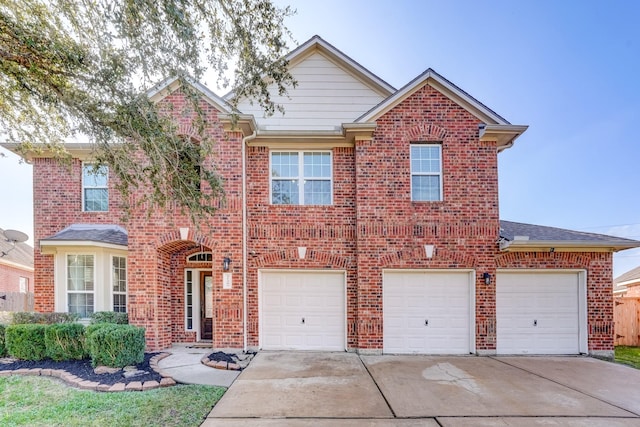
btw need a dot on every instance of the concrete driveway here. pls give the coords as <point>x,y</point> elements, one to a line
<point>344,389</point>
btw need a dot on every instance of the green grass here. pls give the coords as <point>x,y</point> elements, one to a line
<point>628,356</point>
<point>41,401</point>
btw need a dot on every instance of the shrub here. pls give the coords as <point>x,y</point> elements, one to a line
<point>31,317</point>
<point>3,348</point>
<point>26,341</point>
<point>116,345</point>
<point>109,317</point>
<point>65,341</point>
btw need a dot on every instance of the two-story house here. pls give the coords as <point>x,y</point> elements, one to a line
<point>365,218</point>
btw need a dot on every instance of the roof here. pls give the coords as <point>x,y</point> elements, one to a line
<point>20,255</point>
<point>527,237</point>
<point>103,234</point>
<point>171,84</point>
<point>630,276</point>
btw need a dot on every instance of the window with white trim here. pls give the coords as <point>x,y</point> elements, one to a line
<point>189,301</point>
<point>301,178</point>
<point>80,284</point>
<point>24,285</point>
<point>95,188</point>
<point>119,283</point>
<point>426,172</point>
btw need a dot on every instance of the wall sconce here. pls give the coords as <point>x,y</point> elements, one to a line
<point>226,263</point>
<point>487,278</point>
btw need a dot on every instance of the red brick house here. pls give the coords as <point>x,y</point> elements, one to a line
<point>363,219</point>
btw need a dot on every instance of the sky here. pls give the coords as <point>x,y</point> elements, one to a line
<point>567,69</point>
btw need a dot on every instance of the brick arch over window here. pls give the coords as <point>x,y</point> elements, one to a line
<point>426,132</point>
<point>416,257</point>
<point>189,131</point>
<point>290,258</point>
<point>171,241</point>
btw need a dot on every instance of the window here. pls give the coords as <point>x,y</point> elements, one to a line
<point>301,178</point>
<point>189,303</point>
<point>95,193</point>
<point>24,285</point>
<point>80,284</point>
<point>426,172</point>
<point>119,283</point>
<point>200,257</point>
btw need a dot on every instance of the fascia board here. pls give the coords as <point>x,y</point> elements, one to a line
<point>52,244</point>
<point>566,246</point>
<point>16,265</point>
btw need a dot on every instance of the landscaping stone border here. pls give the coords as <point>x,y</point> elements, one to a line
<point>77,382</point>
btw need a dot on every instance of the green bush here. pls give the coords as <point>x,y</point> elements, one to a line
<point>65,341</point>
<point>3,348</point>
<point>109,317</point>
<point>31,317</point>
<point>115,345</point>
<point>26,341</point>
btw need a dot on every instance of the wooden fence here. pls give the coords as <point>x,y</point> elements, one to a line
<point>626,314</point>
<point>16,301</point>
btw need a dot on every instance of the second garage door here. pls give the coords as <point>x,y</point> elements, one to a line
<point>427,312</point>
<point>302,310</point>
<point>538,312</point>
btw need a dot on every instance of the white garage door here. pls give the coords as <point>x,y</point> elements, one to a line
<point>538,313</point>
<point>302,311</point>
<point>427,312</point>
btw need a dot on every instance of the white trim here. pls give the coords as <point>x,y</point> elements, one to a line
<point>472,294</point>
<point>111,276</point>
<point>66,279</point>
<point>440,174</point>
<point>301,178</point>
<point>84,187</point>
<point>261,271</point>
<point>16,265</point>
<point>85,243</point>
<point>583,333</point>
<point>197,326</point>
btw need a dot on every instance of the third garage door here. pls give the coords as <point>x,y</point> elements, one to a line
<point>427,312</point>
<point>538,312</point>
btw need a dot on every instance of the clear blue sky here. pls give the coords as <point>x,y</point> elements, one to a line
<point>568,69</point>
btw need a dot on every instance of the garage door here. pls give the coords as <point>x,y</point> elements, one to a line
<point>427,312</point>
<point>538,313</point>
<point>302,311</point>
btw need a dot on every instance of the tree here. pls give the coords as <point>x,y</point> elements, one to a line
<point>81,68</point>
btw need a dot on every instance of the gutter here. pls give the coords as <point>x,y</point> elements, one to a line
<point>245,233</point>
<point>565,246</point>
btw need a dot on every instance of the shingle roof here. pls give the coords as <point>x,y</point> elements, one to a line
<point>102,233</point>
<point>22,253</point>
<point>630,276</point>
<point>508,230</point>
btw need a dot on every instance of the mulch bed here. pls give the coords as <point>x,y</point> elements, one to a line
<point>83,369</point>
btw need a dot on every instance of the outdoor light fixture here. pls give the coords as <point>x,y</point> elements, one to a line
<point>226,262</point>
<point>487,278</point>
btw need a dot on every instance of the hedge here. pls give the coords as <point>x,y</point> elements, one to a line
<point>115,345</point>
<point>65,341</point>
<point>109,317</point>
<point>3,348</point>
<point>26,341</point>
<point>31,317</point>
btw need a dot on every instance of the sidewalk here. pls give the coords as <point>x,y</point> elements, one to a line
<point>185,367</point>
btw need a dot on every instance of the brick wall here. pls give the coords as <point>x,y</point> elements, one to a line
<point>10,278</point>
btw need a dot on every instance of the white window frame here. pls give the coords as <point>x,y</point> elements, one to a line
<point>85,186</point>
<point>66,283</point>
<point>416,173</point>
<point>126,284</point>
<point>301,178</point>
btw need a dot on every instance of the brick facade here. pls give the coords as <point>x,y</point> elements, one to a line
<point>372,225</point>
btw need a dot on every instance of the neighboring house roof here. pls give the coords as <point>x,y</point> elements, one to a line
<point>88,235</point>
<point>20,255</point>
<point>626,280</point>
<point>515,236</point>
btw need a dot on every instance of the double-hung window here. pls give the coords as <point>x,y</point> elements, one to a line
<point>80,284</point>
<point>119,283</point>
<point>426,172</point>
<point>301,178</point>
<point>95,188</point>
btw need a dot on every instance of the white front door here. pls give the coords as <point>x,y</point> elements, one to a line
<point>428,312</point>
<point>302,310</point>
<point>538,312</point>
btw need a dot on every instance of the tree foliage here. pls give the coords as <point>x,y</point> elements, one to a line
<point>79,69</point>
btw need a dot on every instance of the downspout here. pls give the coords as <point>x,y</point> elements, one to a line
<point>245,233</point>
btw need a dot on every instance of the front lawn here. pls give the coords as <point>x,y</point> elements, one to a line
<point>41,401</point>
<point>628,356</point>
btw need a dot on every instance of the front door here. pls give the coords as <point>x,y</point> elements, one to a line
<point>206,305</point>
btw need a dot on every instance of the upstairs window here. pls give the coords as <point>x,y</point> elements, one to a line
<point>301,178</point>
<point>426,172</point>
<point>95,188</point>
